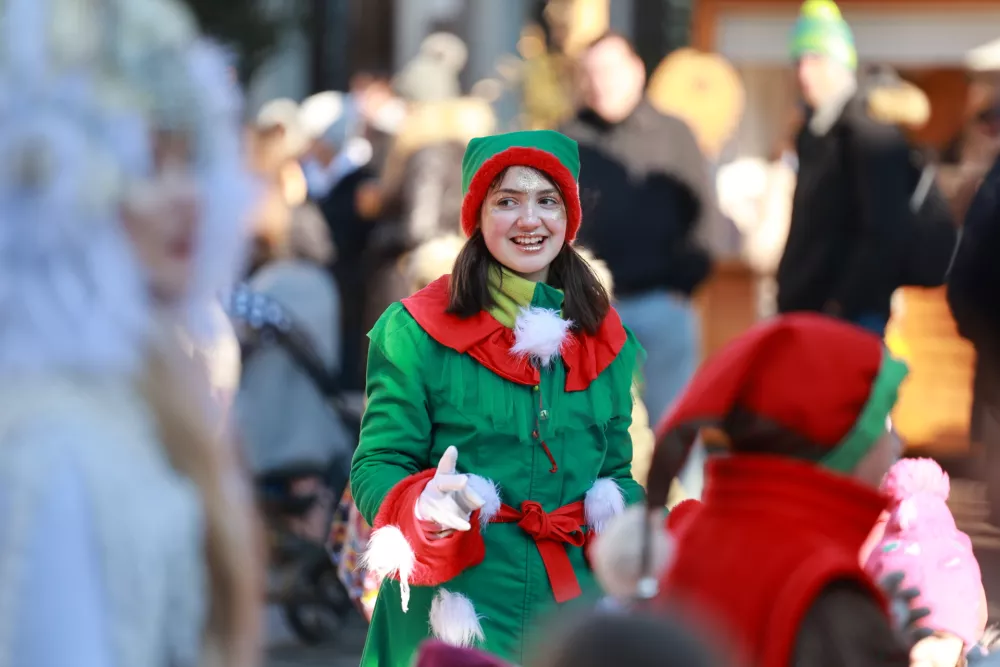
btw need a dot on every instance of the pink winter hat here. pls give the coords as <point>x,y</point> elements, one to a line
<point>922,541</point>
<point>434,653</point>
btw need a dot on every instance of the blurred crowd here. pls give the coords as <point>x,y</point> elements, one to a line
<point>183,393</point>
<point>381,166</point>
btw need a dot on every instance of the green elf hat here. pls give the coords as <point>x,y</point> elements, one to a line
<point>550,152</point>
<point>821,30</point>
<point>824,379</point>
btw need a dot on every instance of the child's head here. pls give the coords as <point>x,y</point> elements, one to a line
<point>922,541</point>
<point>434,653</point>
<point>636,639</point>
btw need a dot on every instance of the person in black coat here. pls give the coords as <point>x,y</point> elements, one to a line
<point>974,298</point>
<point>850,210</point>
<point>646,191</point>
<point>336,166</point>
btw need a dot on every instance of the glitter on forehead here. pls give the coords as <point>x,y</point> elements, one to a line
<point>529,179</point>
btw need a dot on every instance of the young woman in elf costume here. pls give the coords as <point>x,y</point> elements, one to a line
<point>495,441</point>
<point>126,528</point>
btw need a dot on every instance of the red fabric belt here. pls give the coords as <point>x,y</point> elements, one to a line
<point>551,532</point>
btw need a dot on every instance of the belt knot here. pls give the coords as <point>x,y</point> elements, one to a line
<point>551,531</point>
<point>559,526</point>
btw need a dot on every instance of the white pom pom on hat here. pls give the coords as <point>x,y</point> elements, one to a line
<point>908,477</point>
<point>616,555</point>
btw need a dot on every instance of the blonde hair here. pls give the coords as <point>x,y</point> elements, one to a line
<point>233,545</point>
<point>904,104</point>
<point>600,269</point>
<point>431,260</point>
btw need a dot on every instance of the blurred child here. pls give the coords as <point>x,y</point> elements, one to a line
<point>434,653</point>
<point>768,561</point>
<point>636,639</point>
<point>921,540</point>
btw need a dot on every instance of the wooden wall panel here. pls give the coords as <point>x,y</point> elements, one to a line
<point>727,304</point>
<point>935,402</point>
<point>947,90</point>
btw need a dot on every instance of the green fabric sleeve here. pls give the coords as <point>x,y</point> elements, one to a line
<point>618,462</point>
<point>396,428</point>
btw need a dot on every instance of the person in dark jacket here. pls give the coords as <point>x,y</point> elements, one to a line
<point>646,189</point>
<point>851,204</point>
<point>336,167</point>
<point>973,289</point>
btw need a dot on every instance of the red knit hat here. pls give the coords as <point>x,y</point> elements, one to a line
<point>831,382</point>
<point>550,152</point>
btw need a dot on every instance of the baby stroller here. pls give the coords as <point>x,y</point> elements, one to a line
<point>298,499</point>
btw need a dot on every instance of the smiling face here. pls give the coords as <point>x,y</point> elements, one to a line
<point>523,221</point>
<point>161,216</point>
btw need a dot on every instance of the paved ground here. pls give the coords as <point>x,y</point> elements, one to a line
<point>968,505</point>
<point>285,652</point>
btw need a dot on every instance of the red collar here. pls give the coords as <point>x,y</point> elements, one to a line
<point>796,493</point>
<point>487,341</point>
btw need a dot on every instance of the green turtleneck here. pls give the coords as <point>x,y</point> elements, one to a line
<point>511,293</point>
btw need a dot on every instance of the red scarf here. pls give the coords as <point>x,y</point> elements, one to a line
<point>489,342</point>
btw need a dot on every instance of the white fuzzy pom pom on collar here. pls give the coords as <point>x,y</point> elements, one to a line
<point>539,333</point>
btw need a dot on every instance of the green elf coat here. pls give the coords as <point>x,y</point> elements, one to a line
<point>540,416</point>
<point>546,445</point>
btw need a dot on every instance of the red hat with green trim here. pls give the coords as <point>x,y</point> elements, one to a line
<point>550,152</point>
<point>830,383</point>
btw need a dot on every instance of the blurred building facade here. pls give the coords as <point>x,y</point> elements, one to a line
<point>925,40</point>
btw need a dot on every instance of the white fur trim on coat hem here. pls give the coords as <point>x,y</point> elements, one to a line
<point>388,554</point>
<point>490,493</point>
<point>454,619</point>
<point>603,502</point>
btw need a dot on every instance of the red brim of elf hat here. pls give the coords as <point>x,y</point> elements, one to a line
<point>551,153</point>
<point>830,382</point>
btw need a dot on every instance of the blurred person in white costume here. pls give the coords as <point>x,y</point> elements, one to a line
<point>127,535</point>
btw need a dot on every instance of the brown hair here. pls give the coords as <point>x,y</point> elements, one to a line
<point>233,547</point>
<point>586,299</point>
<point>636,638</point>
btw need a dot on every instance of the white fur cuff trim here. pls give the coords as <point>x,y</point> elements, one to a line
<point>539,333</point>
<point>454,619</point>
<point>389,554</point>
<point>490,493</point>
<point>603,502</point>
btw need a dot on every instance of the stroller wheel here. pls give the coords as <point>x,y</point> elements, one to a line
<point>313,624</point>
<point>319,619</point>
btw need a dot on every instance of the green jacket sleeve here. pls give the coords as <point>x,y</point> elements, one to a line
<point>618,462</point>
<point>396,428</point>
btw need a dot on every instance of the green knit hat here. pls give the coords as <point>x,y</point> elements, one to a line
<point>821,30</point>
<point>550,152</point>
